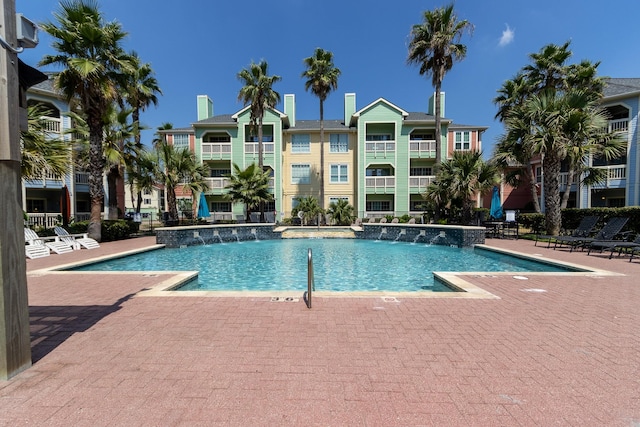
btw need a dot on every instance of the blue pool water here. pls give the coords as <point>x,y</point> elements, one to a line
<point>339,265</point>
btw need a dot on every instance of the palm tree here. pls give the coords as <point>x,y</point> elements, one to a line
<point>42,154</point>
<point>140,176</point>
<point>434,46</point>
<point>465,176</point>
<point>90,52</point>
<point>249,186</point>
<point>310,207</point>
<point>257,91</point>
<point>141,90</point>
<point>175,167</point>
<point>119,151</point>
<point>341,212</point>
<point>322,78</point>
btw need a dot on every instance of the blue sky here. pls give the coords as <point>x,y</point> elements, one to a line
<point>199,47</point>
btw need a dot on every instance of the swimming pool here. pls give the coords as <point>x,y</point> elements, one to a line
<point>340,265</point>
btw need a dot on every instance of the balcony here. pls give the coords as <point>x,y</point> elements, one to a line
<point>380,184</point>
<point>217,185</point>
<point>216,150</point>
<point>418,184</point>
<point>619,125</point>
<point>616,176</point>
<point>380,149</point>
<point>252,147</point>
<point>422,149</point>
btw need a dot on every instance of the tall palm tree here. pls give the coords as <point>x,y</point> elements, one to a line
<point>120,151</point>
<point>141,90</point>
<point>90,52</point>
<point>41,153</point>
<point>257,91</point>
<point>434,46</point>
<point>174,167</point>
<point>322,78</point>
<point>249,186</point>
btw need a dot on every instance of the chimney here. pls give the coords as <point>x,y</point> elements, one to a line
<point>349,107</point>
<point>290,108</point>
<point>205,107</point>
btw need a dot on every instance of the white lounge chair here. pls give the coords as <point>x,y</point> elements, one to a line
<point>76,240</point>
<point>57,246</point>
<point>36,251</point>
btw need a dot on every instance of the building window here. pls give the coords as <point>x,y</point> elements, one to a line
<point>267,134</point>
<point>300,143</point>
<point>538,174</point>
<point>339,143</point>
<point>337,199</point>
<point>181,140</point>
<point>379,172</point>
<point>220,207</point>
<point>339,173</point>
<point>217,137</point>
<point>146,201</point>
<point>300,174</point>
<point>379,205</point>
<point>462,141</point>
<point>420,172</point>
<point>219,173</point>
<point>421,135</point>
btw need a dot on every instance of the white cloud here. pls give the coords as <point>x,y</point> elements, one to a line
<point>507,36</point>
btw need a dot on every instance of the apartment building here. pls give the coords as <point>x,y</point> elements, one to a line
<point>379,157</point>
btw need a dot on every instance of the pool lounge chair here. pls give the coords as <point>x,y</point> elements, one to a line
<point>76,240</point>
<point>620,245</point>
<point>607,233</point>
<point>36,251</point>
<point>32,238</point>
<point>584,229</point>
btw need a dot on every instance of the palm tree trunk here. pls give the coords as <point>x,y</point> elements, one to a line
<point>321,200</point>
<point>567,190</point>
<point>112,180</point>
<point>96,171</point>
<point>552,214</point>
<point>533,187</point>
<point>260,163</point>
<point>437,112</point>
<point>171,204</point>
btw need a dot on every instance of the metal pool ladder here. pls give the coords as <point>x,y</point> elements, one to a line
<point>311,286</point>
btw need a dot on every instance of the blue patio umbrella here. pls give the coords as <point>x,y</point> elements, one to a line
<point>496,206</point>
<point>203,209</point>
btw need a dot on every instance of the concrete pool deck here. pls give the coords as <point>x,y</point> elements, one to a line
<point>551,350</point>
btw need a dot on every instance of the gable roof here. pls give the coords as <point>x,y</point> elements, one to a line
<point>616,87</point>
<point>378,101</point>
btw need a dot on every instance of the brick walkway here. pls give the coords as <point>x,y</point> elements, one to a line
<point>103,356</point>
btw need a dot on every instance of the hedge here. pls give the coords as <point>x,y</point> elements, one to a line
<point>572,217</point>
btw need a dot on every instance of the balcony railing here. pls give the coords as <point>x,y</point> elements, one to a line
<point>421,181</point>
<point>82,178</point>
<point>211,148</point>
<point>380,182</point>
<point>380,148</point>
<point>618,125</point>
<point>423,147</point>
<point>51,219</point>
<point>51,124</point>
<point>252,147</point>
<point>217,183</point>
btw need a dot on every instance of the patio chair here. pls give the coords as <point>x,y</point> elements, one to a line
<point>584,230</point>
<point>607,233</point>
<point>383,220</point>
<point>31,238</point>
<point>36,251</point>
<point>620,245</point>
<point>76,240</point>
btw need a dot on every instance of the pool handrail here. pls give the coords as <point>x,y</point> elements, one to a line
<point>311,286</point>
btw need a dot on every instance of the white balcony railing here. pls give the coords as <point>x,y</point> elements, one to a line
<point>380,182</point>
<point>422,147</point>
<point>615,171</point>
<point>381,148</point>
<point>421,181</point>
<point>217,183</point>
<point>82,178</point>
<point>618,125</point>
<point>52,124</point>
<point>252,147</point>
<point>210,148</point>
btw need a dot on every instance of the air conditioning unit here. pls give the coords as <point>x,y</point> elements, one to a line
<point>26,32</point>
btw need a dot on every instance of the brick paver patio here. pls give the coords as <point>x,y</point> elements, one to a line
<point>561,350</point>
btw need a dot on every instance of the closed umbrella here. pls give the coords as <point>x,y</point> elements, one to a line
<point>496,206</point>
<point>203,209</point>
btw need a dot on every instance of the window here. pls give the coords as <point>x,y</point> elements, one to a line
<point>462,141</point>
<point>300,143</point>
<point>339,173</point>
<point>339,143</point>
<point>217,137</point>
<point>219,173</point>
<point>379,137</point>
<point>220,207</point>
<point>379,205</point>
<point>267,134</point>
<point>300,174</point>
<point>181,140</point>
<point>146,201</point>
<point>379,172</point>
<point>538,174</point>
<point>420,172</point>
<point>421,136</point>
<point>336,199</point>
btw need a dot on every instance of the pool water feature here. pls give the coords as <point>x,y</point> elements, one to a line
<point>340,265</point>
